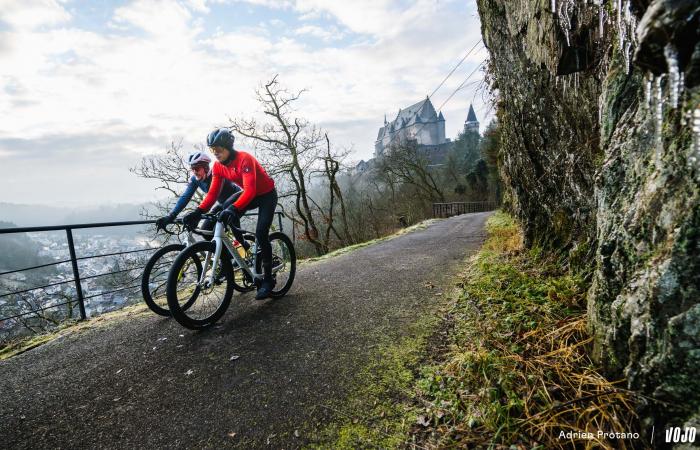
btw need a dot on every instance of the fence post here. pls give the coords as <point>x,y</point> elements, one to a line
<point>76,273</point>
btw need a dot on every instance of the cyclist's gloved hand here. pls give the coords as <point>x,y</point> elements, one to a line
<point>228,216</point>
<point>216,209</point>
<point>192,219</point>
<point>163,221</point>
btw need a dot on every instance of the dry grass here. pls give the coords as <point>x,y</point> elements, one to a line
<point>517,370</point>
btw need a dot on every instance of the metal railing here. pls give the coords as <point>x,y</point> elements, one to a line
<point>73,260</point>
<point>442,210</point>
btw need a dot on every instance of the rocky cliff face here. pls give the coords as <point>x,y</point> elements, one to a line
<point>600,107</point>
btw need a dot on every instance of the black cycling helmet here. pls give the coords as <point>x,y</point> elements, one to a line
<point>221,137</point>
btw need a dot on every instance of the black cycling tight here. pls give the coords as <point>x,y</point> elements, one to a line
<point>266,204</point>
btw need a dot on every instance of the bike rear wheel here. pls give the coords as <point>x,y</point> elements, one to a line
<point>192,301</point>
<point>284,263</point>
<point>241,281</point>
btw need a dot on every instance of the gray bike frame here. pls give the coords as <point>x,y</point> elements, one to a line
<point>221,240</point>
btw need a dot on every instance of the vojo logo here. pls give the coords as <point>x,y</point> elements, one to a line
<point>677,434</point>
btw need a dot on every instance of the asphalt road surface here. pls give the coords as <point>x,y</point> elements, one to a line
<point>143,381</point>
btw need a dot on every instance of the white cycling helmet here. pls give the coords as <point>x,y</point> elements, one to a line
<point>198,158</point>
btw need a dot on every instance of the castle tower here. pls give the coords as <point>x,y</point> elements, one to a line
<point>471,124</point>
<point>441,129</point>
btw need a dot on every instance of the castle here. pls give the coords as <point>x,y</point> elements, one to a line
<point>422,124</point>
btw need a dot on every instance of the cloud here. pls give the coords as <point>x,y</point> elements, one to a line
<point>84,168</point>
<point>197,5</point>
<point>168,74</point>
<point>31,14</point>
<point>105,145</point>
<point>159,18</point>
<point>381,18</point>
<point>331,34</point>
<point>272,4</point>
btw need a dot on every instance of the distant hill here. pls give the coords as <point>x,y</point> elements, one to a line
<point>17,250</point>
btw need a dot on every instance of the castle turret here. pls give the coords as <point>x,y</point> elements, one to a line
<point>471,124</point>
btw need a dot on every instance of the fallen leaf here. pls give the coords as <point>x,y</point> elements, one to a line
<point>231,435</point>
<point>234,357</point>
<point>422,420</point>
<point>189,372</point>
<point>297,434</point>
<point>119,371</point>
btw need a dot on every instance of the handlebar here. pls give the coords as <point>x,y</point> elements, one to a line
<point>214,218</point>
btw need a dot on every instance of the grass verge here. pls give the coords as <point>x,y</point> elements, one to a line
<point>341,251</point>
<point>16,346</point>
<point>515,368</point>
<point>376,414</point>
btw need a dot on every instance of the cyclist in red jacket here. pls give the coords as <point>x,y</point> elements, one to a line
<point>258,192</point>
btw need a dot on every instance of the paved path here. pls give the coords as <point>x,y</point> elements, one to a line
<point>124,385</point>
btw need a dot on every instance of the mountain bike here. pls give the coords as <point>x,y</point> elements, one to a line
<point>202,278</point>
<point>155,272</point>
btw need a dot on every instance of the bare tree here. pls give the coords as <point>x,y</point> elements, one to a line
<point>293,149</point>
<point>330,169</point>
<point>170,170</point>
<point>406,163</point>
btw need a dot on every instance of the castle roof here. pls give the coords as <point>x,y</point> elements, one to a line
<point>423,111</point>
<point>471,117</point>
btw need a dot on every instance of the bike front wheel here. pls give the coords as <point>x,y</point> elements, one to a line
<point>155,277</point>
<point>194,301</point>
<point>284,263</point>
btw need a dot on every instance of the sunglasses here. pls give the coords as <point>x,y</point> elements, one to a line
<point>197,168</point>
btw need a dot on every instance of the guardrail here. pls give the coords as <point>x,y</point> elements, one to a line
<point>442,210</point>
<point>73,260</point>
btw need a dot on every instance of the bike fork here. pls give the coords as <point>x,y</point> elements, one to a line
<point>218,230</point>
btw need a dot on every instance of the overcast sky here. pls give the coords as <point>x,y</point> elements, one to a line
<point>87,88</point>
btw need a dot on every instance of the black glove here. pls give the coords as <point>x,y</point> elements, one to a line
<point>216,210</point>
<point>228,216</point>
<point>163,221</point>
<point>191,220</point>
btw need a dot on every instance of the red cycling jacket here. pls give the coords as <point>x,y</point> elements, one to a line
<point>246,172</point>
